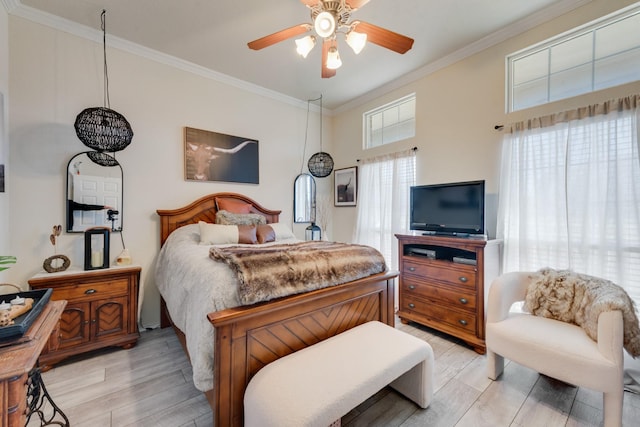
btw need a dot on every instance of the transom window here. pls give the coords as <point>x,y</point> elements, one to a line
<point>391,122</point>
<point>602,54</point>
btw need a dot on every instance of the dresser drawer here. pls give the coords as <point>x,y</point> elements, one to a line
<point>454,297</point>
<point>440,313</point>
<point>459,275</point>
<point>92,290</point>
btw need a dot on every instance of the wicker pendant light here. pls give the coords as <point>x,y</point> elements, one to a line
<point>102,159</point>
<point>102,128</point>
<point>321,163</point>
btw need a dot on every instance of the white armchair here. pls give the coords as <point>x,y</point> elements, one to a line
<point>554,348</point>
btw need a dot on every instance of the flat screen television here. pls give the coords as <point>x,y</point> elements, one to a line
<point>451,209</point>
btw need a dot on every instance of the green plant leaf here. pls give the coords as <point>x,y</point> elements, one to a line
<point>6,260</point>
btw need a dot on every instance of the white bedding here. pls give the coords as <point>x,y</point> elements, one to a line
<point>194,285</point>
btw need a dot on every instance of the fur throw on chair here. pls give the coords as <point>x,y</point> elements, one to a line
<point>579,299</point>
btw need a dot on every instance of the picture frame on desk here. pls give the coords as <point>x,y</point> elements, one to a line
<point>346,186</point>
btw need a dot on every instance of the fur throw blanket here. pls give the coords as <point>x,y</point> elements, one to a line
<point>279,270</point>
<point>579,299</point>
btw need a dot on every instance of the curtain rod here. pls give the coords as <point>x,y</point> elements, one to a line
<point>605,107</point>
<point>414,149</point>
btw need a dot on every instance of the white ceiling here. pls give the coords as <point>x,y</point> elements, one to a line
<point>214,35</point>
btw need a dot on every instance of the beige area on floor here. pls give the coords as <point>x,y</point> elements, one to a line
<point>150,385</point>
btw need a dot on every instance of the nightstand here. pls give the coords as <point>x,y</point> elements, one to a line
<point>101,311</point>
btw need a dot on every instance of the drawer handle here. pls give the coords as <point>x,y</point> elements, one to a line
<point>463,279</point>
<point>463,322</point>
<point>90,291</point>
<point>463,300</point>
<point>412,305</point>
<point>412,287</point>
<point>412,269</point>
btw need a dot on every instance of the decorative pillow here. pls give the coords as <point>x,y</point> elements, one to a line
<point>283,232</point>
<point>247,234</point>
<point>232,205</point>
<point>265,233</point>
<point>220,234</point>
<point>230,218</point>
<point>216,234</point>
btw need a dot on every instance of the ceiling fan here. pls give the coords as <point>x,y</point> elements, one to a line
<point>329,17</point>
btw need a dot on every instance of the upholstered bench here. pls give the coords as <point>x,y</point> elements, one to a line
<point>319,384</point>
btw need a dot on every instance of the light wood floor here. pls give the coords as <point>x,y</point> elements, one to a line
<point>150,385</point>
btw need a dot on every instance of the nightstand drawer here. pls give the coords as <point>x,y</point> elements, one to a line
<point>454,297</point>
<point>92,290</point>
<point>460,275</point>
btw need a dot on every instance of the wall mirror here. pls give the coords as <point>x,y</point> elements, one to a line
<point>94,192</point>
<point>304,198</point>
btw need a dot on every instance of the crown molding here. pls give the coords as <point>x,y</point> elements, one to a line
<point>16,8</point>
<point>10,5</point>
<point>512,30</point>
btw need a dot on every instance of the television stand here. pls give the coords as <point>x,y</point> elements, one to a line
<point>447,291</point>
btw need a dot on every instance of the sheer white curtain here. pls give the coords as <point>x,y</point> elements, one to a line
<point>383,202</point>
<point>570,193</point>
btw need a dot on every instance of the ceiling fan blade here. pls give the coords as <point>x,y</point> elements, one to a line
<point>357,4</point>
<point>309,3</point>
<point>326,72</point>
<point>274,38</point>
<point>383,37</point>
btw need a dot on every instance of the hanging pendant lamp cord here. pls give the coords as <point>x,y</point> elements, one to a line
<point>306,130</point>
<point>103,19</point>
<point>107,101</point>
<point>321,123</point>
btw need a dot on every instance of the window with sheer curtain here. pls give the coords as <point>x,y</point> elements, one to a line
<point>383,202</point>
<point>570,193</point>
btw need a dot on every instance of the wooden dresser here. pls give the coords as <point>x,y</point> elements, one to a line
<point>101,311</point>
<point>19,358</point>
<point>444,282</point>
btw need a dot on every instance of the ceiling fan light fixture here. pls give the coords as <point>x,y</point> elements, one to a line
<point>328,18</point>
<point>325,24</point>
<point>356,41</point>
<point>304,45</point>
<point>333,59</point>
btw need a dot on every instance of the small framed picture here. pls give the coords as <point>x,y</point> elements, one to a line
<point>346,186</point>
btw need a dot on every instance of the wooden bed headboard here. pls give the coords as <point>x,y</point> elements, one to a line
<point>204,209</point>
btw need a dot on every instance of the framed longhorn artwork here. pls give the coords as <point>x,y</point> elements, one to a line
<point>212,156</point>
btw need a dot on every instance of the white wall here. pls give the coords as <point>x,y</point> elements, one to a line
<point>55,75</point>
<point>4,141</point>
<point>457,108</point>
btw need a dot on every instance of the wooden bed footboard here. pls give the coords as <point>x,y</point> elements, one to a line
<point>247,338</point>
